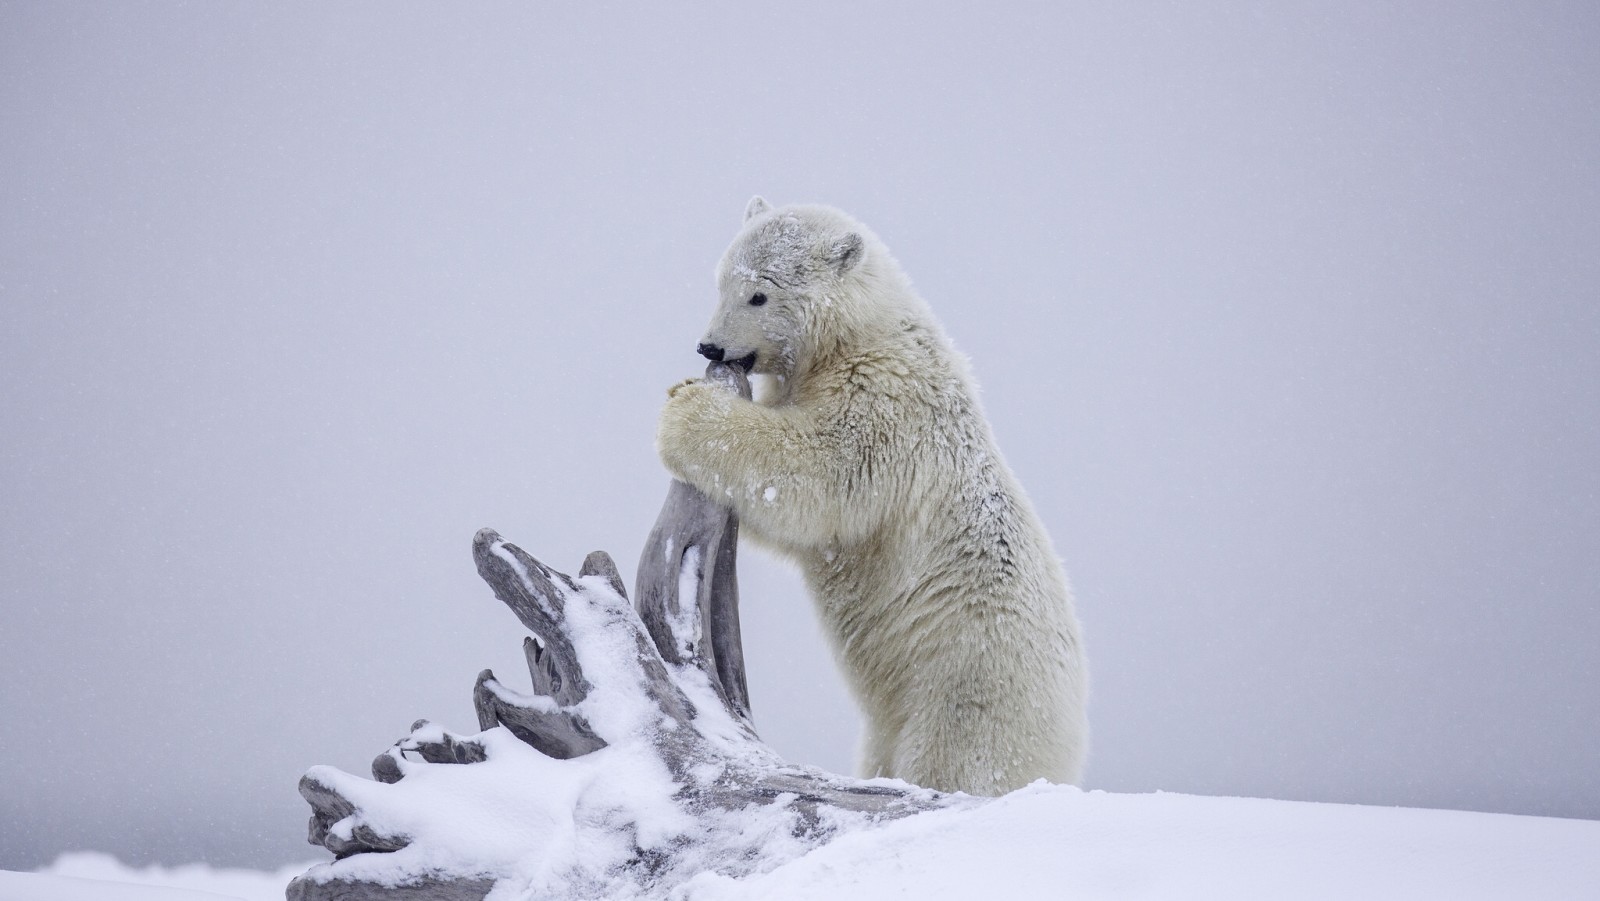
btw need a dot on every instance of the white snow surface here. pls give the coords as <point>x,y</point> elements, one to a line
<point>1056,842</point>
<point>92,876</point>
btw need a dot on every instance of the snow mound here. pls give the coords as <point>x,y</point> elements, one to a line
<point>1058,842</point>
<point>92,876</point>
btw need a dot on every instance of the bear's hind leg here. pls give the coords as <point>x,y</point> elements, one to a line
<point>959,739</point>
<point>878,755</point>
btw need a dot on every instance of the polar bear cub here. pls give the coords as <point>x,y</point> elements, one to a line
<point>871,465</point>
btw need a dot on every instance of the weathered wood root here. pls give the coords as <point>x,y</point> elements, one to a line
<point>696,533</point>
<point>591,655</point>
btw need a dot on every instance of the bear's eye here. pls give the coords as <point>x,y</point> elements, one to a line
<point>757,299</point>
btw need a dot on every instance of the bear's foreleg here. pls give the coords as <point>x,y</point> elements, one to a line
<point>786,475</point>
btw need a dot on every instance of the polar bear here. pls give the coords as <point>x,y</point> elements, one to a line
<point>868,461</point>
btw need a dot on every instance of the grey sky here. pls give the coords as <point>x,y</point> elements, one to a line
<point>1286,316</point>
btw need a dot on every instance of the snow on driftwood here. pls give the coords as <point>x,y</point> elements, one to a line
<point>630,767</point>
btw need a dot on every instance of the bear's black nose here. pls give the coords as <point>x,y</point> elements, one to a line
<point>710,352</point>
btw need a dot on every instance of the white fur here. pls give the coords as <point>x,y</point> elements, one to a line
<point>870,464</point>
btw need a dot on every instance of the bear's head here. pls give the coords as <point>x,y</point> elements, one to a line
<point>791,284</point>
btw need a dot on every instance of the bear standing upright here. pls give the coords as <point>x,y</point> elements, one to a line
<point>871,465</point>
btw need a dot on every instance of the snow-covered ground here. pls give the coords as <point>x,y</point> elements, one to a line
<point>90,876</point>
<point>1054,842</point>
<point>1051,842</point>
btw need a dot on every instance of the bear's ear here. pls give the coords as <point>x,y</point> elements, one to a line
<point>845,253</point>
<point>756,207</point>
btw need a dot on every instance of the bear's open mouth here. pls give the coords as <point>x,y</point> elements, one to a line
<point>746,362</point>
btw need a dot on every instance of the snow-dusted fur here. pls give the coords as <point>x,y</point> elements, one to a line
<point>870,463</point>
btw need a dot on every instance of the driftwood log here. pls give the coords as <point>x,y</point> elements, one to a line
<point>611,686</point>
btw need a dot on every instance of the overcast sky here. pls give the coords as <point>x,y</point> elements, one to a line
<point>1286,316</point>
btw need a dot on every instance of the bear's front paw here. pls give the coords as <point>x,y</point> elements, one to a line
<point>699,401</point>
<point>695,411</point>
